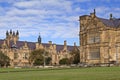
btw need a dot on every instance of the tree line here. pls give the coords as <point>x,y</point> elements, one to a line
<point>40,57</point>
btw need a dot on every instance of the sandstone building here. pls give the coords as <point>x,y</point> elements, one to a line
<point>99,39</point>
<point>18,51</point>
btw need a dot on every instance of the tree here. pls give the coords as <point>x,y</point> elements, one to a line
<point>75,56</point>
<point>4,60</point>
<point>48,60</point>
<point>37,57</point>
<point>64,61</point>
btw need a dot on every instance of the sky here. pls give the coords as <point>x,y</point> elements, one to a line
<point>54,20</point>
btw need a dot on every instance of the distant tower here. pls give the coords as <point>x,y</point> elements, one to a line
<point>11,36</point>
<point>39,39</point>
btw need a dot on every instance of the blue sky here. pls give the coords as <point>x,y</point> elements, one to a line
<point>55,20</point>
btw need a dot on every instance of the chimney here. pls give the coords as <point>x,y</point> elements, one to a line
<point>50,42</point>
<point>65,45</point>
<point>74,43</point>
<point>54,46</point>
<point>93,14</point>
<point>25,44</point>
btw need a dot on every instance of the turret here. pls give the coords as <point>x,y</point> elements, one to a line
<point>7,33</point>
<point>50,45</point>
<point>50,42</point>
<point>54,46</point>
<point>12,36</point>
<point>17,33</point>
<point>13,33</point>
<point>10,31</point>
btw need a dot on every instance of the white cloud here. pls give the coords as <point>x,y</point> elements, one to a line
<point>83,0</point>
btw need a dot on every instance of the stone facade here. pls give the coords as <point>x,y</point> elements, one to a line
<point>18,51</point>
<point>99,39</point>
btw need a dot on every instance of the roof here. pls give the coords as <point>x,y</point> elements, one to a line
<point>111,22</point>
<point>32,45</point>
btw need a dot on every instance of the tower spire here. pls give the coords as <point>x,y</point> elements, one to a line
<point>39,39</point>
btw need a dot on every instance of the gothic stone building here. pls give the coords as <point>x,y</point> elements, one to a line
<point>18,51</point>
<point>99,39</point>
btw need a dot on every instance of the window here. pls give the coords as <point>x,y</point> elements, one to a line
<point>94,53</point>
<point>25,56</point>
<point>97,38</point>
<point>15,55</point>
<point>91,39</point>
<point>94,38</point>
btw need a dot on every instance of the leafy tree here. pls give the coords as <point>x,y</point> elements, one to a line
<point>39,61</point>
<point>37,57</point>
<point>64,61</point>
<point>48,60</point>
<point>4,60</point>
<point>75,56</point>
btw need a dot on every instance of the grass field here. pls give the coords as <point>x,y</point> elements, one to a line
<point>94,73</point>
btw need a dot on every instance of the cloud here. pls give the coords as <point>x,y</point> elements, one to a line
<point>83,0</point>
<point>46,4</point>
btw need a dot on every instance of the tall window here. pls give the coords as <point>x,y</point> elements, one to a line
<point>16,56</point>
<point>94,38</point>
<point>94,53</point>
<point>25,56</point>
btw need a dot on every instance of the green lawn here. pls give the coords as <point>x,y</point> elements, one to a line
<point>94,73</point>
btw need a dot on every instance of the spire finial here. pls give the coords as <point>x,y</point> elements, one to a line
<point>94,11</point>
<point>39,39</point>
